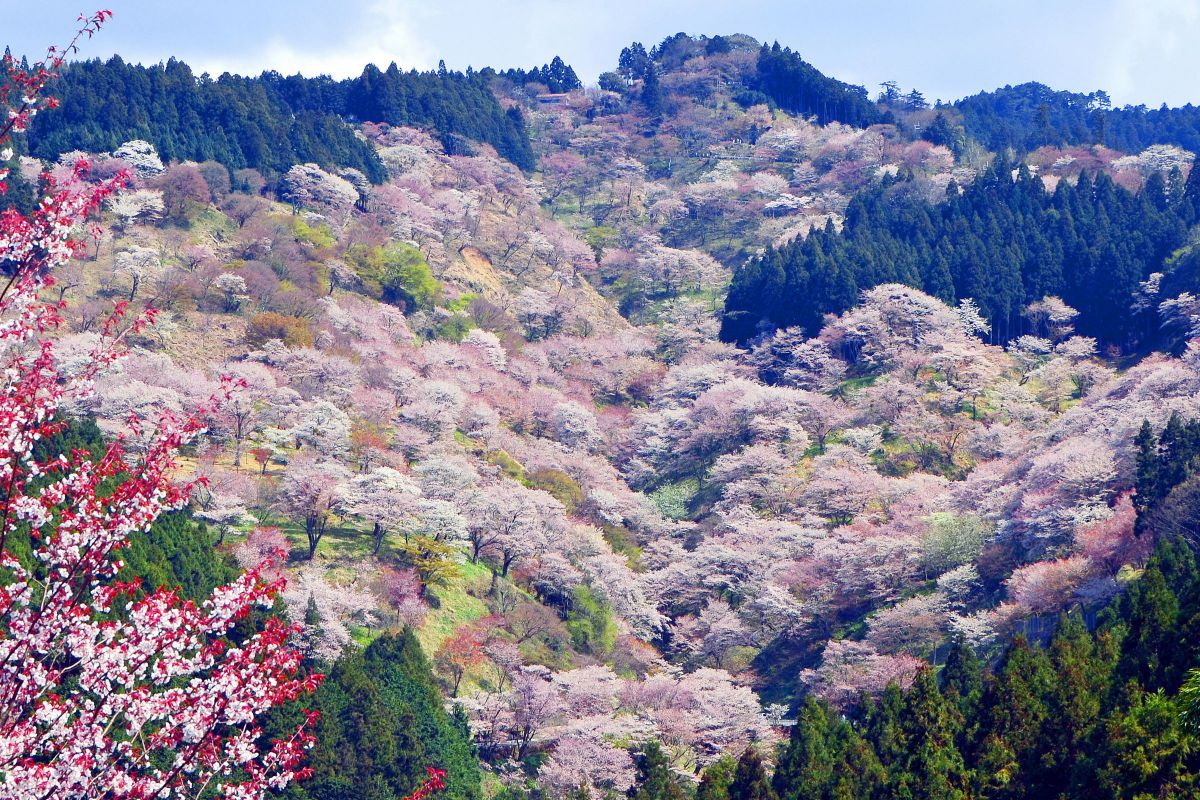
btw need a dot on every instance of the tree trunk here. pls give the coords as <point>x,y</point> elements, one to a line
<point>378,534</point>
<point>313,531</point>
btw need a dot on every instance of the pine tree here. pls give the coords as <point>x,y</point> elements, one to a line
<point>1083,668</point>
<point>1014,713</point>
<point>882,725</point>
<point>806,767</point>
<point>655,780</point>
<point>962,684</point>
<point>717,778</point>
<point>750,779</point>
<point>1151,610</point>
<point>857,773</point>
<point>934,769</point>
<point>312,616</point>
<point>1147,467</point>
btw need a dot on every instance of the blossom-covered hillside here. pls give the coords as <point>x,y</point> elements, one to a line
<point>488,415</point>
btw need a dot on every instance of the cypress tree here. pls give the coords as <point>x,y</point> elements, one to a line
<point>934,768</point>
<point>750,779</point>
<point>717,778</point>
<point>806,767</point>
<point>655,780</point>
<point>1147,467</point>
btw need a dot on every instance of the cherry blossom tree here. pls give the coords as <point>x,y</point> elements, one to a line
<point>383,497</point>
<point>141,265</point>
<point>308,186</point>
<point>848,668</point>
<point>461,652</point>
<point>310,491</point>
<point>581,763</point>
<point>402,590</point>
<point>108,692</point>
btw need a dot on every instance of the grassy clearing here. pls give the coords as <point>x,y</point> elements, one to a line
<point>458,605</point>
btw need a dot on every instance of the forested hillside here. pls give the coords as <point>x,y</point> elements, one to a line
<point>1032,115</point>
<point>1003,241</point>
<point>269,123</point>
<point>705,434</point>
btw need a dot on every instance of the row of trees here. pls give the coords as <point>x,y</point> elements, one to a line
<point>557,76</point>
<point>1003,241</point>
<point>1031,115</point>
<point>269,122</point>
<point>797,86</point>
<point>240,122</point>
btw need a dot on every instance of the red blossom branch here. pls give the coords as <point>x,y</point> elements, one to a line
<point>103,693</point>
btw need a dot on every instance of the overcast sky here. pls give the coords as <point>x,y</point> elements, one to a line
<point>1140,51</point>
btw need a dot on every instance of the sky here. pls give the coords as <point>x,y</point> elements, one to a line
<point>1140,51</point>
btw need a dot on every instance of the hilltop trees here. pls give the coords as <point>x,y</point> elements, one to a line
<point>270,122</point>
<point>949,251</point>
<point>797,86</point>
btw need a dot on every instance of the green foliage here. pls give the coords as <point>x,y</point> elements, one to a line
<point>270,122</point>
<point>750,779</point>
<point>557,76</point>
<point>622,541</point>
<point>509,465</point>
<point>600,238</point>
<point>1031,115</point>
<point>239,122</point>
<point>462,302</point>
<point>176,552</point>
<point>805,767</point>
<point>797,86</point>
<point>407,278</point>
<point>454,104</point>
<point>1147,753</point>
<point>954,540</point>
<point>1003,242</point>
<point>673,499</point>
<point>398,273</point>
<point>655,779</point>
<point>717,778</point>
<point>382,723</point>
<point>318,236</point>
<point>453,328</point>
<point>312,615</point>
<point>20,193</point>
<point>590,622</point>
<point>435,562</point>
<point>1164,461</point>
<point>559,485</point>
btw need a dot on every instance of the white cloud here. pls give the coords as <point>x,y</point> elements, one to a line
<point>1151,39</point>
<point>384,32</point>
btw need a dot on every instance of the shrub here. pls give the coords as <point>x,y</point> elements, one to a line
<point>292,331</point>
<point>590,622</point>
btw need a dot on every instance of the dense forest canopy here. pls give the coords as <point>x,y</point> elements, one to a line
<point>797,86</point>
<point>557,76</point>
<point>270,122</point>
<point>1032,115</point>
<point>1003,241</point>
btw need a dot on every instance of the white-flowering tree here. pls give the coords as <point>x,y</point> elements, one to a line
<point>383,497</point>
